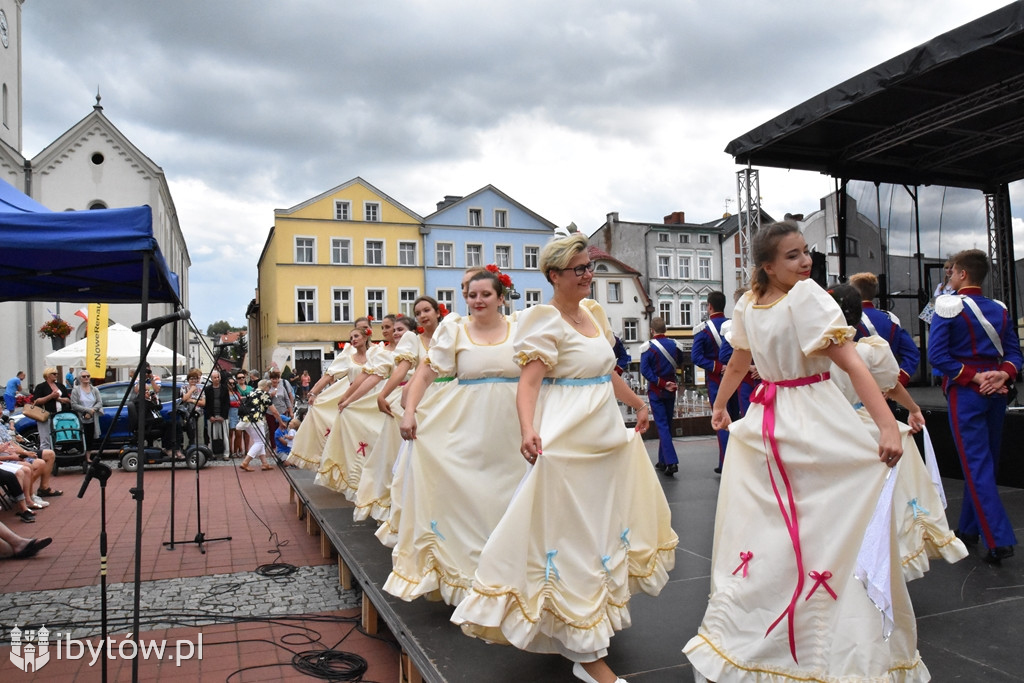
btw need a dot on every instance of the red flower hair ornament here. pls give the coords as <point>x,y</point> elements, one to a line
<point>493,268</point>
<point>443,310</point>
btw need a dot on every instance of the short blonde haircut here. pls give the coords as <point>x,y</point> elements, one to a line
<point>866,284</point>
<point>47,371</point>
<point>557,253</point>
<point>263,384</point>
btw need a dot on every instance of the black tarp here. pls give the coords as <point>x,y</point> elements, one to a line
<point>948,112</point>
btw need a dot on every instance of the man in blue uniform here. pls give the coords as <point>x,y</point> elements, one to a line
<point>707,345</point>
<point>751,379</point>
<point>658,365</point>
<point>886,325</point>
<point>974,344</point>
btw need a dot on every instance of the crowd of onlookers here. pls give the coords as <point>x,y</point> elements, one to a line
<point>238,413</point>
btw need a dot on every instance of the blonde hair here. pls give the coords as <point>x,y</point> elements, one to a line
<point>866,284</point>
<point>762,249</point>
<point>557,253</point>
<point>47,371</point>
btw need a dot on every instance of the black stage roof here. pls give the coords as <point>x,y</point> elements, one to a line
<point>948,112</point>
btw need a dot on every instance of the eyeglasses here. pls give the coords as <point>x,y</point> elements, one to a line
<point>579,270</point>
<point>83,377</point>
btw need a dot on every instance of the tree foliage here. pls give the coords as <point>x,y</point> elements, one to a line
<point>222,327</point>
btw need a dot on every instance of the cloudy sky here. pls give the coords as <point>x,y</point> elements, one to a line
<point>575,108</point>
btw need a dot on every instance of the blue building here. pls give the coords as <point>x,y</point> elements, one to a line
<point>484,227</point>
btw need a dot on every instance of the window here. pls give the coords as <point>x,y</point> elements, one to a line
<point>503,256</point>
<point>443,254</point>
<point>446,297</point>
<point>342,210</point>
<point>500,218</point>
<point>531,256</point>
<point>684,266</point>
<point>476,217</point>
<point>407,254</point>
<point>375,303</point>
<point>614,292</point>
<point>686,313</point>
<point>593,290</point>
<point>703,309</point>
<point>341,305</point>
<point>305,305</point>
<point>704,239</point>
<point>851,245</point>
<point>406,300</point>
<point>371,211</point>
<point>663,237</point>
<point>703,267</point>
<point>664,266</point>
<point>305,248</point>
<point>375,253</point>
<point>665,311</point>
<point>600,268</point>
<point>341,251</point>
<point>474,255</point>
<point>684,239</point>
<point>532,297</point>
<point>630,330</point>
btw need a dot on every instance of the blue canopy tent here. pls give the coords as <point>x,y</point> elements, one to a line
<point>107,255</point>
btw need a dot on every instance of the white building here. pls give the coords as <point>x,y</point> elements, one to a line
<point>92,165</point>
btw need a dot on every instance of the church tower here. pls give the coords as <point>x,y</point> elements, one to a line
<point>10,73</point>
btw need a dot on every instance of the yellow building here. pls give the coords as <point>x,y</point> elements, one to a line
<point>349,252</point>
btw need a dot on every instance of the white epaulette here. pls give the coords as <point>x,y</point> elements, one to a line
<point>727,330</point>
<point>644,347</point>
<point>1000,303</point>
<point>700,328</point>
<point>949,305</point>
<point>893,317</point>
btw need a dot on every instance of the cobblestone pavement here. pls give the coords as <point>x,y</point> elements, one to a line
<point>178,602</point>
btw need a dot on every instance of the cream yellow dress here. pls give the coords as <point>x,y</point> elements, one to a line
<point>458,481</point>
<point>373,497</point>
<point>785,604</point>
<point>308,446</point>
<point>922,531</point>
<point>589,524</point>
<point>354,432</point>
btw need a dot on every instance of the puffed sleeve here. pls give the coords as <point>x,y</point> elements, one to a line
<point>441,356</point>
<point>877,355</point>
<point>817,318</point>
<point>737,329</point>
<point>538,332</point>
<point>408,349</point>
<point>380,364</point>
<point>603,326</point>
<point>340,365</point>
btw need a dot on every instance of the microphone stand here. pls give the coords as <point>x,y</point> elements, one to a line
<point>200,538</point>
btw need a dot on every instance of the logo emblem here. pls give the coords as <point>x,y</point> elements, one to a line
<point>27,655</point>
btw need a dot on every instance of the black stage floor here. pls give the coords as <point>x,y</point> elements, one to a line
<point>970,615</point>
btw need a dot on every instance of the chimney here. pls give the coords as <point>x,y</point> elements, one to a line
<point>448,200</point>
<point>675,218</point>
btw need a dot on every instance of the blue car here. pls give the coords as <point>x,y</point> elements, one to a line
<point>121,430</point>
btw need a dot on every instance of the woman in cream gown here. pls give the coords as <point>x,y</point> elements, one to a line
<point>456,487</point>
<point>359,420</point>
<point>308,447</point>
<point>589,524</point>
<point>798,492</point>
<point>373,498</point>
<point>919,521</point>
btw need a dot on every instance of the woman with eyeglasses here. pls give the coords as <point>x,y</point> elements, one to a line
<point>52,395</point>
<point>86,402</point>
<point>589,525</point>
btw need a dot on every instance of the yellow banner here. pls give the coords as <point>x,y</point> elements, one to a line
<point>96,344</point>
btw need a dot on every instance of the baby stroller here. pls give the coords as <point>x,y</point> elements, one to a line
<point>68,441</point>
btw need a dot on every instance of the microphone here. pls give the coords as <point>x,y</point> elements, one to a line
<point>162,320</point>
